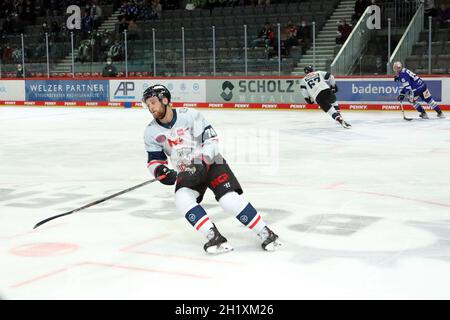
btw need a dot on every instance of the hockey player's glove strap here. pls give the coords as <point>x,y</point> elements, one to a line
<point>401,97</point>
<point>165,175</point>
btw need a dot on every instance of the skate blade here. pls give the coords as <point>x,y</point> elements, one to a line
<point>223,248</point>
<point>273,246</point>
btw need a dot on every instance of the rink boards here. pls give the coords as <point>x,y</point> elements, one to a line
<point>355,93</point>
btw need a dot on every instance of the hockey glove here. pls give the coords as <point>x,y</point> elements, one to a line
<point>401,97</point>
<point>165,175</point>
<point>309,100</point>
<point>334,88</point>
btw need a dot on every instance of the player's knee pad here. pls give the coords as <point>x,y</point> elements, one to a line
<point>233,203</point>
<point>185,200</point>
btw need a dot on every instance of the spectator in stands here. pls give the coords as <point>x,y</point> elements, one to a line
<point>360,7</point>
<point>52,6</point>
<point>429,8</point>
<point>304,36</point>
<point>266,36</point>
<point>344,30</point>
<point>55,30</point>
<point>27,13</point>
<point>289,37</point>
<point>130,10</point>
<point>109,70</point>
<point>45,28</point>
<point>84,51</point>
<point>96,14</point>
<point>134,32</point>
<point>8,26</point>
<point>115,52</point>
<point>87,23</point>
<point>122,25</point>
<point>106,42</point>
<point>380,68</point>
<point>19,72</point>
<point>156,9</point>
<point>7,53</point>
<point>17,55</point>
<point>443,15</point>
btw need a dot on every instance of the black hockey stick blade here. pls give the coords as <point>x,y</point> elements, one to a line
<point>40,223</point>
<point>407,119</point>
<point>403,112</point>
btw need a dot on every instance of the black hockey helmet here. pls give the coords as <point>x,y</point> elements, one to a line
<point>157,90</point>
<point>308,69</point>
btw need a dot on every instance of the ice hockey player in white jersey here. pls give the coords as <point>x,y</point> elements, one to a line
<point>321,87</point>
<point>191,143</point>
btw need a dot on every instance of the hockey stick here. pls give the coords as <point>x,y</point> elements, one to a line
<point>94,203</point>
<point>403,112</point>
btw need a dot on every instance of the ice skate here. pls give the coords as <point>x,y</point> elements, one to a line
<point>423,115</point>
<point>441,115</point>
<point>217,243</point>
<point>342,122</point>
<point>270,241</point>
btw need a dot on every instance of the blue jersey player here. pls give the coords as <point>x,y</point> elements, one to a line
<point>415,87</point>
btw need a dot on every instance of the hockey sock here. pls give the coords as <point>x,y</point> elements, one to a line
<point>419,108</point>
<point>336,107</point>
<point>251,218</point>
<point>333,113</point>
<point>235,204</point>
<point>186,204</point>
<point>435,106</point>
<point>199,219</point>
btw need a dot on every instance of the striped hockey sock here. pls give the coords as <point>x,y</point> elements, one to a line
<point>251,218</point>
<point>419,108</point>
<point>435,106</point>
<point>199,219</point>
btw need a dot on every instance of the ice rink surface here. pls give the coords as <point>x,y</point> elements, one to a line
<point>364,213</point>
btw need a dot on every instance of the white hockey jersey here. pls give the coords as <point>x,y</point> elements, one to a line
<point>314,82</point>
<point>188,136</point>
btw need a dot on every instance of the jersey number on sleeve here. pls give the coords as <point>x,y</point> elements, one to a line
<point>312,82</point>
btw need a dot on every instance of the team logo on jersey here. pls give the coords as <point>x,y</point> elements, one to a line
<point>182,131</point>
<point>227,93</point>
<point>244,219</point>
<point>161,138</point>
<point>191,217</point>
<point>174,142</point>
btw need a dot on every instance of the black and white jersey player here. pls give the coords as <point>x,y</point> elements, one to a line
<point>321,87</point>
<point>189,140</point>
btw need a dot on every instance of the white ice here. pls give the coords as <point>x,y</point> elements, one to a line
<point>364,213</point>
